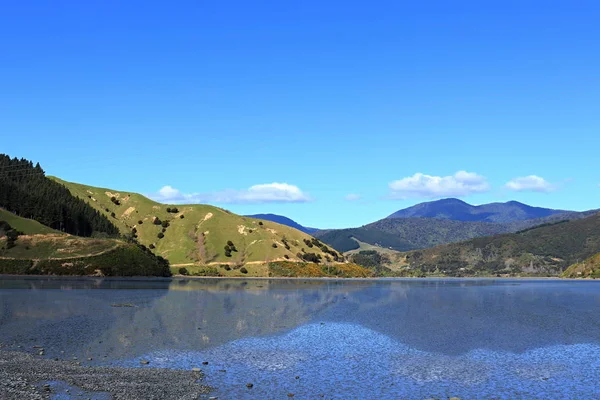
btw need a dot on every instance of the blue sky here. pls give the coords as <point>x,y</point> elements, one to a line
<point>333,114</point>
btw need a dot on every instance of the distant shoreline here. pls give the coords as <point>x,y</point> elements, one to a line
<point>329,279</point>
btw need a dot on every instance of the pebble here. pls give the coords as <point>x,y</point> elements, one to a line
<point>204,362</point>
<point>90,358</point>
<point>196,369</point>
<point>144,362</point>
<point>249,385</point>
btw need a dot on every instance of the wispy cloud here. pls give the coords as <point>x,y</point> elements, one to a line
<point>352,197</point>
<point>263,193</point>
<point>421,185</point>
<point>531,183</point>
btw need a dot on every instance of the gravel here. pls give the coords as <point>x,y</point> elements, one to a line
<point>23,376</point>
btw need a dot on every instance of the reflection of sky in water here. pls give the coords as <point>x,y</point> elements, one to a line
<point>349,361</point>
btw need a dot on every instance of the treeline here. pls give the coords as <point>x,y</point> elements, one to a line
<point>26,192</point>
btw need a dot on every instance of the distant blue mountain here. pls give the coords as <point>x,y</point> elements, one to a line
<point>280,219</point>
<point>458,210</point>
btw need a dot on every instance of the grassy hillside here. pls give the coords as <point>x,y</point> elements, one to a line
<point>589,268</point>
<point>60,254</point>
<point>27,226</point>
<point>197,234</point>
<point>546,250</point>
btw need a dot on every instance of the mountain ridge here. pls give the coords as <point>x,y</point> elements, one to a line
<point>458,210</point>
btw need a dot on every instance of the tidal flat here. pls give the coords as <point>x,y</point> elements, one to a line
<point>333,339</point>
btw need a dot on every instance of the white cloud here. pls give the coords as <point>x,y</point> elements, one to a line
<point>352,197</point>
<point>531,183</point>
<point>420,185</point>
<point>263,193</point>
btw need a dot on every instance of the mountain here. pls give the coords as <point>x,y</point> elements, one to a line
<point>203,238</point>
<point>280,219</point>
<point>546,250</point>
<point>458,210</point>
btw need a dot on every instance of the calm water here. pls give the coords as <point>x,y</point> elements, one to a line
<point>473,339</point>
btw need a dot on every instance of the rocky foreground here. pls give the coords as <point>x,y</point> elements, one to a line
<point>23,376</point>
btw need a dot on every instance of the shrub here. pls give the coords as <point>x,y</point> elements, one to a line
<point>160,235</point>
<point>227,253</point>
<point>230,243</point>
<point>183,271</point>
<point>163,230</point>
<point>151,246</point>
<point>181,216</point>
<point>286,256</point>
<point>157,221</point>
<point>274,245</point>
<point>165,224</point>
<point>112,214</point>
<point>311,257</point>
<point>260,223</point>
<point>107,210</point>
<point>168,209</point>
<point>227,267</point>
<point>140,222</point>
<point>243,270</point>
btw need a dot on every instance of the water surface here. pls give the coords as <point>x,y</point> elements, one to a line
<point>429,338</point>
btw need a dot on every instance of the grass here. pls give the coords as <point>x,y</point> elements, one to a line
<point>84,257</point>
<point>589,268</point>
<point>57,246</point>
<point>27,226</point>
<point>198,238</point>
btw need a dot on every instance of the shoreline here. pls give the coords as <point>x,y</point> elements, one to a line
<point>382,278</point>
<point>24,376</point>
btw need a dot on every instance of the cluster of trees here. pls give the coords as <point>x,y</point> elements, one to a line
<point>26,192</point>
<point>229,247</point>
<point>370,259</point>
<point>173,210</point>
<point>10,233</point>
<point>316,242</point>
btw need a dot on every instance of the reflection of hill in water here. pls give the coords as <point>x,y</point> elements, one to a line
<point>198,315</point>
<point>443,316</point>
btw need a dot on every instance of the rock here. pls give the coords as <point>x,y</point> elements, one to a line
<point>249,385</point>
<point>196,369</point>
<point>90,358</point>
<point>47,387</point>
<point>144,362</point>
<point>290,394</point>
<point>297,377</point>
<point>212,398</point>
<point>41,353</point>
<point>204,362</point>
<point>222,370</point>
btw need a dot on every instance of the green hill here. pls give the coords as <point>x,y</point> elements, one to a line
<point>197,235</point>
<point>589,268</point>
<point>546,250</point>
<point>60,254</point>
<point>27,226</point>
